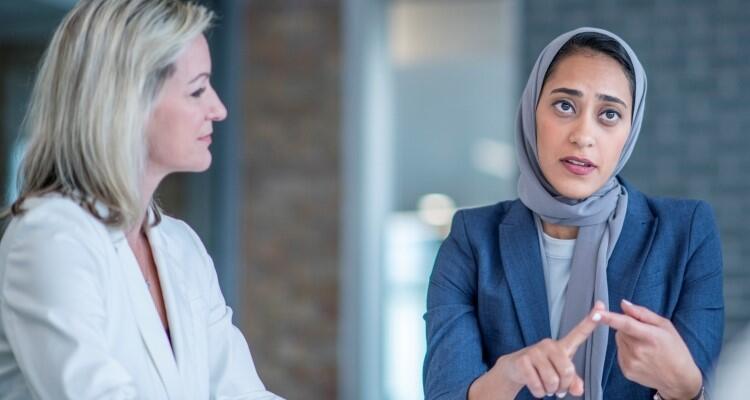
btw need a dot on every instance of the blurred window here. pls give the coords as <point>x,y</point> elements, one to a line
<point>437,86</point>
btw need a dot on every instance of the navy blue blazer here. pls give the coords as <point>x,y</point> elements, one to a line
<point>487,296</point>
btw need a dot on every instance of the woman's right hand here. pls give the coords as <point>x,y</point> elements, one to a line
<point>546,367</point>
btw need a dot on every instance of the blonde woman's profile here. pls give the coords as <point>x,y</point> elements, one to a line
<point>101,294</point>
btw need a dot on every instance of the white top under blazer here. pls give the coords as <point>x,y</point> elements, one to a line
<point>77,320</point>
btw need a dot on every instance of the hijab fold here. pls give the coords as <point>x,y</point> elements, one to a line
<point>600,217</point>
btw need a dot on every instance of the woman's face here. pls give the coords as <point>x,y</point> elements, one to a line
<point>583,119</point>
<point>180,126</point>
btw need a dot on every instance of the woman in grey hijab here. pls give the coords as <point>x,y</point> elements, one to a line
<point>539,296</point>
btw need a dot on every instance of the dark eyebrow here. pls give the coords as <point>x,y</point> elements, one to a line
<point>611,99</point>
<point>201,75</point>
<point>578,93</point>
<point>570,92</point>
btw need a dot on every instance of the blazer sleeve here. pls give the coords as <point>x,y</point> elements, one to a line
<point>52,311</point>
<point>231,367</point>
<point>454,345</point>
<point>699,312</point>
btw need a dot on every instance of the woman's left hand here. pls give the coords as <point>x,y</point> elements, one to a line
<point>651,352</point>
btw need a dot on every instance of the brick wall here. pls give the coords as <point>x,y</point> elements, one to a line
<point>694,141</point>
<point>291,205</point>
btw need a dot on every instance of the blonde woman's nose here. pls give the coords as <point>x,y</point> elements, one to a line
<point>217,111</point>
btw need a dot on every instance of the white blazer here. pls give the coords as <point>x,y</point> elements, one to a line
<point>77,320</point>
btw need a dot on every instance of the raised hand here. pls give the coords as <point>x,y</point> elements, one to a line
<point>651,352</point>
<point>545,367</point>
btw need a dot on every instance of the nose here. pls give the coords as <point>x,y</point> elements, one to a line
<point>581,135</point>
<point>217,111</point>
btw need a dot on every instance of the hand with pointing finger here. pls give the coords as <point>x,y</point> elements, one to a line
<point>546,367</point>
<point>651,352</point>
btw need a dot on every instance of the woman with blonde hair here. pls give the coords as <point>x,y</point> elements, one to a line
<point>101,295</point>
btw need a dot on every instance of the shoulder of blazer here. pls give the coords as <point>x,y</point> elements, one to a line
<point>53,214</point>
<point>678,215</point>
<point>487,218</point>
<point>482,224</point>
<point>674,214</point>
<point>179,240</point>
<point>178,233</point>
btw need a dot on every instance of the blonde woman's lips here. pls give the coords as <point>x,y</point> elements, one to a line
<point>205,138</point>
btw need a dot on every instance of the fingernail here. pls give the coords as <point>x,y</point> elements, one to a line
<point>561,395</point>
<point>596,317</point>
<point>549,394</point>
<point>627,302</point>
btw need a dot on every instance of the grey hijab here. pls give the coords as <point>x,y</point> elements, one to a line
<point>600,216</point>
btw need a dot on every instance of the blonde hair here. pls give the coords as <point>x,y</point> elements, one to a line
<point>94,92</point>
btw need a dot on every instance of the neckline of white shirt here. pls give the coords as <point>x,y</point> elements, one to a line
<point>558,248</point>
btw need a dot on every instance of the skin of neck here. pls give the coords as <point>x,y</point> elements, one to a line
<point>560,231</point>
<point>148,187</point>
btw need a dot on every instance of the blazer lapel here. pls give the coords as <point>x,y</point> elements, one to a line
<point>147,319</point>
<point>173,291</point>
<point>522,264</point>
<point>627,259</point>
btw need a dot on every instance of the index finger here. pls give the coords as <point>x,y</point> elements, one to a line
<point>583,330</point>
<point>626,324</point>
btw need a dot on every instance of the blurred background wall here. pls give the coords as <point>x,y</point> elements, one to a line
<point>694,140</point>
<point>291,202</point>
<point>358,126</point>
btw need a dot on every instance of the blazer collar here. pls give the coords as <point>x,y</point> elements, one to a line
<point>165,356</point>
<point>170,264</point>
<point>627,260</point>
<point>522,264</point>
